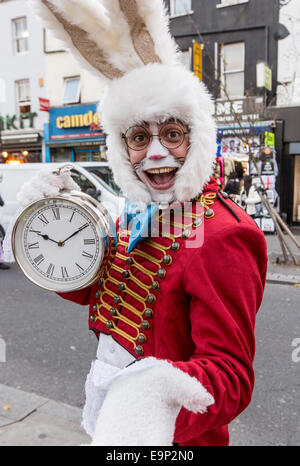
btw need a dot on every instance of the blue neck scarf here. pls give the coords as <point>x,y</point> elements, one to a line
<point>140,222</point>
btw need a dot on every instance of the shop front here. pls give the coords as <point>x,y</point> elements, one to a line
<point>20,141</point>
<point>247,157</point>
<point>74,134</point>
<point>288,119</point>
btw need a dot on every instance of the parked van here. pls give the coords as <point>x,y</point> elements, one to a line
<point>90,176</point>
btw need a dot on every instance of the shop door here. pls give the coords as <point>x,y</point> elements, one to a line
<point>82,156</point>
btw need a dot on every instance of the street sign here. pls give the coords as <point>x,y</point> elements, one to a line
<point>264,76</point>
<point>44,104</point>
<point>197,59</point>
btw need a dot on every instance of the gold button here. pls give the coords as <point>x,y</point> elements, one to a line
<point>167,259</point>
<point>209,213</point>
<point>126,274</point>
<point>151,299</point>
<point>197,222</point>
<point>139,350</point>
<point>186,234</point>
<point>145,325</point>
<point>175,246</point>
<point>148,313</point>
<point>109,324</point>
<point>161,273</point>
<point>142,338</point>
<point>155,285</point>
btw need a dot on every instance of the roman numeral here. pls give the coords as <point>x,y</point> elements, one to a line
<point>34,246</point>
<point>79,267</point>
<point>64,272</point>
<point>34,231</point>
<point>50,270</point>
<point>89,241</point>
<point>72,217</point>
<point>43,219</point>
<point>56,213</point>
<point>39,259</point>
<point>88,255</point>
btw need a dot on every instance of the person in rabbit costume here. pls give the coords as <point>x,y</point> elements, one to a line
<point>174,311</point>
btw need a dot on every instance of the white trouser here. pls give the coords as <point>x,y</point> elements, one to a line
<point>111,358</point>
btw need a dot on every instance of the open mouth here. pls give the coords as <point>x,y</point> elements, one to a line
<point>161,178</point>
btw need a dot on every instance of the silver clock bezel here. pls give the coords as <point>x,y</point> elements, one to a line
<point>102,223</point>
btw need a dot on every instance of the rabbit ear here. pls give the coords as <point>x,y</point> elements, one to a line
<point>141,38</point>
<point>110,37</point>
<point>75,35</point>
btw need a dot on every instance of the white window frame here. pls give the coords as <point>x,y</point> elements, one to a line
<point>76,99</point>
<point>231,71</point>
<point>19,100</point>
<point>186,58</point>
<point>17,38</point>
<point>225,3</point>
<point>176,15</point>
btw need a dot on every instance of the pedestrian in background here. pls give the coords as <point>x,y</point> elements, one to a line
<point>232,187</point>
<point>249,197</point>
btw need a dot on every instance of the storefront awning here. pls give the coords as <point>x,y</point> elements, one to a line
<point>75,142</point>
<point>19,138</point>
<point>245,127</point>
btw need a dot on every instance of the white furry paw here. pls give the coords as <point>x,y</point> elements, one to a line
<point>45,184</point>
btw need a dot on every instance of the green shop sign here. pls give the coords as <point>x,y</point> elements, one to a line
<point>17,121</point>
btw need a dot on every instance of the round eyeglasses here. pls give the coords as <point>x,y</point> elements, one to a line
<point>171,136</point>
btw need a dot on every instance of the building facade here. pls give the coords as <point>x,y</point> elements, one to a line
<point>239,42</point>
<point>22,84</point>
<point>287,111</point>
<point>73,132</point>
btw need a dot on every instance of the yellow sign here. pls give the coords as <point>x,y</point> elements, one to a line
<point>269,139</point>
<point>197,59</point>
<point>268,78</point>
<point>78,121</point>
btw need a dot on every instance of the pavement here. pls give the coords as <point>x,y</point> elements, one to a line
<point>27,419</point>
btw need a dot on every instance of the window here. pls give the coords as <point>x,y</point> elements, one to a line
<point>180,7</point>
<point>232,70</point>
<point>185,58</point>
<point>20,35</point>
<point>71,90</point>
<point>23,95</point>
<point>225,3</point>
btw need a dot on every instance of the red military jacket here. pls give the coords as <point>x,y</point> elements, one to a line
<point>189,296</point>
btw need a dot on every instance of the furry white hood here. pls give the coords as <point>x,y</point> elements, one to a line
<point>157,92</point>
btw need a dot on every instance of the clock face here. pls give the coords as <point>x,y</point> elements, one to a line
<point>61,245</point>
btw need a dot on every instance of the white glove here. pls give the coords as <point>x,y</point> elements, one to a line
<point>46,184</point>
<point>142,404</point>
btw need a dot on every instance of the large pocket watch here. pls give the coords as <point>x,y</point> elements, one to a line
<point>59,242</point>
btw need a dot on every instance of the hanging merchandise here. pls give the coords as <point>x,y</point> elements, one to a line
<point>220,171</point>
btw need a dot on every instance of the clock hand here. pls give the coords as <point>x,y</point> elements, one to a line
<point>45,237</point>
<point>76,232</point>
